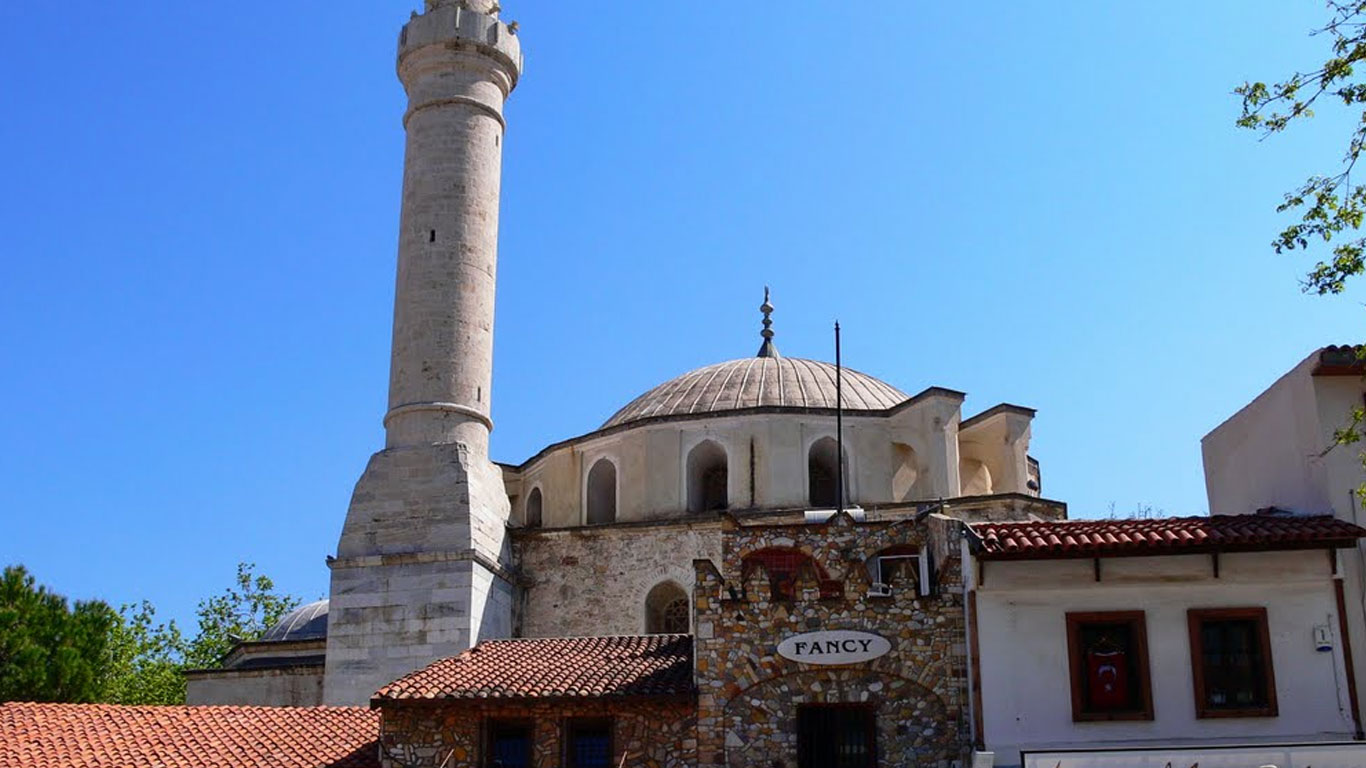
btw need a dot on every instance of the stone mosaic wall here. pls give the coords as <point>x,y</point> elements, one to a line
<point>749,695</point>
<point>648,733</point>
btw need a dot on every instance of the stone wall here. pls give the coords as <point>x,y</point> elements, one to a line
<point>647,733</point>
<point>420,572</point>
<point>300,686</point>
<point>593,581</point>
<point>749,695</point>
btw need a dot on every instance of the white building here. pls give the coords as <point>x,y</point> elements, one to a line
<point>1164,636</point>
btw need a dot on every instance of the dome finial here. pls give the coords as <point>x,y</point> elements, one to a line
<point>767,349</point>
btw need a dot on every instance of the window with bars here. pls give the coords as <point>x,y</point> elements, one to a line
<point>676,619</point>
<point>667,610</point>
<point>836,736</point>
<point>588,743</point>
<point>1231,663</point>
<point>509,744</point>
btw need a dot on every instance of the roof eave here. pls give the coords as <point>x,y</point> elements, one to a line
<point>987,554</point>
<point>379,702</point>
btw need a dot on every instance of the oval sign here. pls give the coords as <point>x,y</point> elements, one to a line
<point>836,646</point>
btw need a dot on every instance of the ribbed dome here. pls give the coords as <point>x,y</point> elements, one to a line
<point>754,382</point>
<point>307,622</point>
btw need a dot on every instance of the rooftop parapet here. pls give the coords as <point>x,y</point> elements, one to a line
<point>463,21</point>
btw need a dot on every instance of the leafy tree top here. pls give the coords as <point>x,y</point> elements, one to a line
<point>1329,205</point>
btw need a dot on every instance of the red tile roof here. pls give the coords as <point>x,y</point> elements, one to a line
<point>1161,536</point>
<point>556,667</point>
<point>107,736</point>
<point>1345,360</point>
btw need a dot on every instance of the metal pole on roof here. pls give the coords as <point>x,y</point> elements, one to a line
<point>839,425</point>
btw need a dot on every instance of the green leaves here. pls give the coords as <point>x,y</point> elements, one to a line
<point>244,612</point>
<point>1329,205</point>
<point>145,659</point>
<point>50,651</point>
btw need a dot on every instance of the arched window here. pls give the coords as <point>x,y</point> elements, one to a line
<point>707,477</point>
<point>906,471</point>
<point>974,478</point>
<point>667,611</point>
<point>822,471</point>
<point>602,493</point>
<point>785,566</point>
<point>533,509</point>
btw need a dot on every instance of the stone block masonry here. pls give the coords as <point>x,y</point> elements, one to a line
<point>595,580</point>
<point>414,579</point>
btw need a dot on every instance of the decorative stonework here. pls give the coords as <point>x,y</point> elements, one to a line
<point>749,695</point>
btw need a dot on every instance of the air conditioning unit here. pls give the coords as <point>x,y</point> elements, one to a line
<point>878,589</point>
<point>824,515</point>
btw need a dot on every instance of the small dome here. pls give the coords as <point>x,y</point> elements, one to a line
<point>759,382</point>
<point>307,622</point>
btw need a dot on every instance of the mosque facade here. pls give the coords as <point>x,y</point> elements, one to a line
<point>769,561</point>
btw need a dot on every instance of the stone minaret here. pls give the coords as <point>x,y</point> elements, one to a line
<point>420,568</point>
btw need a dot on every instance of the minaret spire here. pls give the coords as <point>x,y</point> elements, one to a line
<point>768,348</point>
<point>422,566</point>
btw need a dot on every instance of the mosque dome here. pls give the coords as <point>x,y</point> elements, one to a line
<point>767,380</point>
<point>307,622</point>
<point>759,382</point>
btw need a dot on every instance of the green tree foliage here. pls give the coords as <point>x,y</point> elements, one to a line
<point>50,650</point>
<point>1330,206</point>
<point>145,659</point>
<point>244,612</point>
<point>89,652</point>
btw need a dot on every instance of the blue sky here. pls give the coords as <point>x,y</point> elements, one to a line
<point>1039,203</point>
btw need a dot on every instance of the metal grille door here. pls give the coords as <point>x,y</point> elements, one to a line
<point>835,736</point>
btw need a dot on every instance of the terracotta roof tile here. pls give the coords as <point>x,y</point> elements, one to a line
<point>1172,535</point>
<point>108,736</point>
<point>557,667</point>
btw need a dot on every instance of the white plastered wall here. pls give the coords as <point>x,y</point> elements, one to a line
<point>1268,453</point>
<point>767,461</point>
<point>1000,443</point>
<point>1022,636</point>
<point>1272,452</point>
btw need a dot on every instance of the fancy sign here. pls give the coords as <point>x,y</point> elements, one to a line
<point>838,646</point>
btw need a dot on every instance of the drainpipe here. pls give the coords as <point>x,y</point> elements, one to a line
<point>1349,668</point>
